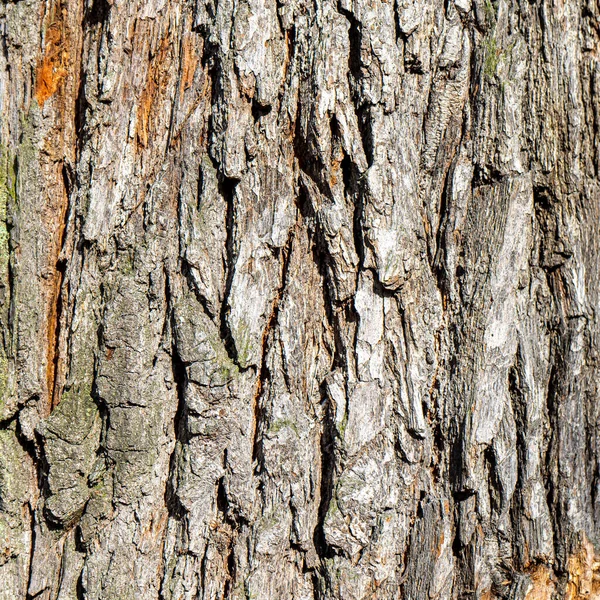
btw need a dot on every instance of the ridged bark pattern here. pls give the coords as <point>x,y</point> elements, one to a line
<point>299,300</point>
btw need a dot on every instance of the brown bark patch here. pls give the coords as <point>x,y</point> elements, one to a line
<point>156,82</point>
<point>57,225</point>
<point>583,567</point>
<point>51,70</point>
<point>189,63</point>
<point>542,581</point>
<point>57,76</point>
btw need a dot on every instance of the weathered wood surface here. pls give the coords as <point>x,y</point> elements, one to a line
<point>299,300</point>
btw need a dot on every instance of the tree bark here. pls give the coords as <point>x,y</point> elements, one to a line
<point>299,300</point>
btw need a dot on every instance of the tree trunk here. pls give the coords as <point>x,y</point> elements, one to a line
<point>299,300</point>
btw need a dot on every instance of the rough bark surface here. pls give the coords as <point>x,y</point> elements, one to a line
<point>299,300</point>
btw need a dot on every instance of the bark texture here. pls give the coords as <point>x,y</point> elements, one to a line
<point>299,300</point>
